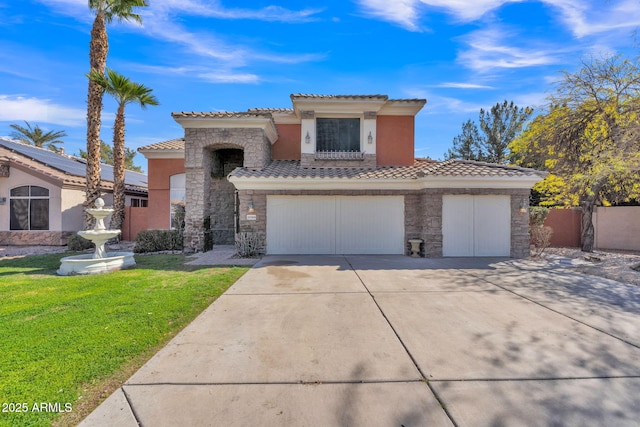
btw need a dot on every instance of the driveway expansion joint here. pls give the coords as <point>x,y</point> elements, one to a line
<point>556,311</point>
<point>406,349</point>
<point>136,417</point>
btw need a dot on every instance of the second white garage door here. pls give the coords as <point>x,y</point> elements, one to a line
<point>335,224</point>
<point>476,225</point>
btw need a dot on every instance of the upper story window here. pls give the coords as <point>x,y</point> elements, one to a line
<point>334,134</point>
<point>29,208</point>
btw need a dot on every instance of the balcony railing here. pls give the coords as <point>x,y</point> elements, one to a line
<point>339,155</point>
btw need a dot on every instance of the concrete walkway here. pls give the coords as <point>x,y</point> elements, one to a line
<point>396,341</point>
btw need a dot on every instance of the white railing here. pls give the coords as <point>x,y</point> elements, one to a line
<point>339,155</point>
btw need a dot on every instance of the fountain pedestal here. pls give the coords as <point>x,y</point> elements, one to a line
<point>100,261</point>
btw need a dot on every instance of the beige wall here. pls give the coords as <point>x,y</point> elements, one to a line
<point>617,227</point>
<point>72,215</point>
<point>19,178</point>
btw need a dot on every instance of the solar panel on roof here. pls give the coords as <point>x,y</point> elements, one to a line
<point>69,165</point>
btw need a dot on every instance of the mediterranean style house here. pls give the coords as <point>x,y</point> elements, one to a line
<point>335,174</point>
<point>42,192</point>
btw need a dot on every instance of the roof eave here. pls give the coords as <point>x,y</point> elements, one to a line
<point>297,183</point>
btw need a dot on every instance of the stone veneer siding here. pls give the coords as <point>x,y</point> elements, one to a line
<point>199,145</point>
<point>423,214</point>
<point>35,238</point>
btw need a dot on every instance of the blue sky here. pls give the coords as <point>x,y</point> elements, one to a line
<point>208,55</point>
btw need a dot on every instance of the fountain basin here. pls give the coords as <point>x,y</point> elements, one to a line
<point>87,264</point>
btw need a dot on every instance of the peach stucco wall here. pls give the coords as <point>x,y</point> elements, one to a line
<point>159,188</point>
<point>287,147</point>
<point>617,227</point>
<point>135,221</point>
<point>394,145</point>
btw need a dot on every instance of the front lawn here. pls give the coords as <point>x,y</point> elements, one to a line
<point>67,342</point>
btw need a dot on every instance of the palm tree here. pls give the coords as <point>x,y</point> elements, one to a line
<point>125,92</point>
<point>105,11</point>
<point>36,136</point>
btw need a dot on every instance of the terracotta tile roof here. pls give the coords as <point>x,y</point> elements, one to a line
<point>270,110</point>
<point>316,96</point>
<point>421,168</point>
<point>220,114</point>
<point>473,168</point>
<point>172,144</point>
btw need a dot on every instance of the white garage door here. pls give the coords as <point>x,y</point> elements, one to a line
<point>335,224</point>
<point>476,225</point>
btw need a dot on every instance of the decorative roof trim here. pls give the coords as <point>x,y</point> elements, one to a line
<point>262,121</point>
<point>162,154</point>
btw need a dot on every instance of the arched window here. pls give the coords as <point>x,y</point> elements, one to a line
<point>29,208</point>
<point>177,185</point>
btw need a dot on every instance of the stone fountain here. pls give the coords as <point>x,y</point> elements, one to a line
<point>100,261</point>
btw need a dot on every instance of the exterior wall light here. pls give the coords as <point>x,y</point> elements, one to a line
<point>251,209</point>
<point>524,207</point>
<point>307,138</point>
<point>370,138</point>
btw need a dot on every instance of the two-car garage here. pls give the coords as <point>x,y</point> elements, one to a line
<point>335,225</point>
<point>472,225</point>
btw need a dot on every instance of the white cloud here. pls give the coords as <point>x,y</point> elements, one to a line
<point>219,76</point>
<point>161,21</point>
<point>406,13</point>
<point>214,9</point>
<point>401,12</point>
<point>466,10</point>
<point>584,18</point>
<point>229,77</point>
<point>487,51</point>
<point>455,85</point>
<point>17,108</point>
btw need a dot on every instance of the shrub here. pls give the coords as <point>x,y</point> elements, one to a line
<point>540,235</point>
<point>537,215</point>
<point>76,243</point>
<point>248,245</point>
<point>540,238</point>
<point>158,240</point>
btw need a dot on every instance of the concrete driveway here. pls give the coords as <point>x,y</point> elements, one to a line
<point>397,341</point>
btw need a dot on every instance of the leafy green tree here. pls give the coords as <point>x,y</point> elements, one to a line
<point>500,126</point>
<point>588,139</point>
<point>490,142</point>
<point>36,136</point>
<point>105,11</point>
<point>467,145</point>
<point>124,92</point>
<point>106,156</point>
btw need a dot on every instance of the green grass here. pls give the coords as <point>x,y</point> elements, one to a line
<point>75,339</point>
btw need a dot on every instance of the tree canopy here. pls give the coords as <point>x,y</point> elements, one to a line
<point>106,156</point>
<point>499,127</point>
<point>36,136</point>
<point>588,139</point>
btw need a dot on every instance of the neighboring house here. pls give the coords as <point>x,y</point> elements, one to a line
<point>334,175</point>
<point>42,192</point>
